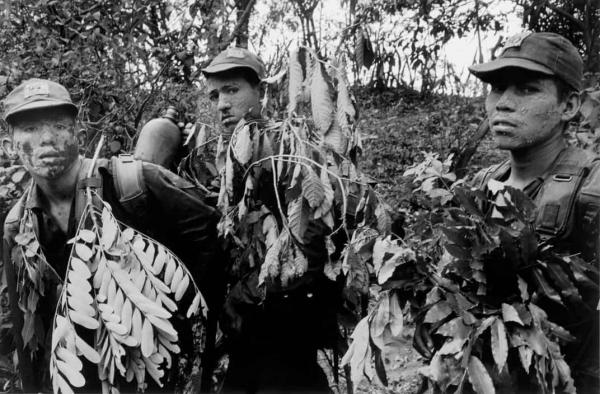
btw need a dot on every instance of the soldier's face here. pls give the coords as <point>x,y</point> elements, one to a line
<point>45,141</point>
<point>234,98</point>
<point>524,109</point>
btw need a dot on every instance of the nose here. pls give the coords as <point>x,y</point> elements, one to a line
<point>223,104</point>
<point>506,101</point>
<point>46,134</point>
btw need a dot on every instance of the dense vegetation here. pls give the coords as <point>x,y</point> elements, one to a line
<point>124,61</point>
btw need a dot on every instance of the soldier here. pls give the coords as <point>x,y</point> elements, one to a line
<point>42,121</point>
<point>535,85</point>
<point>273,342</point>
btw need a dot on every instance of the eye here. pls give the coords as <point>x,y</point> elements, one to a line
<point>498,87</point>
<point>232,90</point>
<point>213,96</point>
<point>528,88</point>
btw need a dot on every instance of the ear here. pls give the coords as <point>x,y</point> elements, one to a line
<point>81,137</point>
<point>262,88</point>
<point>7,148</point>
<point>571,106</point>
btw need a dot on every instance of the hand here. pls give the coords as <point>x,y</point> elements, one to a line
<point>188,135</point>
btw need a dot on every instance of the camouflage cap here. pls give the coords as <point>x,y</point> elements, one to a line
<point>235,58</point>
<point>546,53</point>
<point>35,94</point>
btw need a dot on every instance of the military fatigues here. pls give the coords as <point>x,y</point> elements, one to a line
<point>163,206</point>
<point>568,201</point>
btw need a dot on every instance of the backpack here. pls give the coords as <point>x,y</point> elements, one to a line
<point>127,178</point>
<point>568,198</point>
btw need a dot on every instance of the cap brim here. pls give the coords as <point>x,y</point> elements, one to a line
<point>486,71</point>
<point>41,104</point>
<point>218,68</point>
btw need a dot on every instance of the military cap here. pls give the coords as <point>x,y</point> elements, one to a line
<point>235,58</point>
<point>35,94</point>
<point>546,53</point>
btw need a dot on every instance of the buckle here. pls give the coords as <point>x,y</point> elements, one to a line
<point>562,178</point>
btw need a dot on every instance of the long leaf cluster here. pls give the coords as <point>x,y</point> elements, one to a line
<point>124,287</point>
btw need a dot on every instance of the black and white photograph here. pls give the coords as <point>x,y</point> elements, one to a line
<point>300,197</point>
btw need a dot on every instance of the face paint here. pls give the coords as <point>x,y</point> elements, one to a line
<point>46,142</point>
<point>524,111</point>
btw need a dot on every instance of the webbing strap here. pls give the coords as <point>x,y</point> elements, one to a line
<point>127,179</point>
<point>556,199</point>
<point>95,182</point>
<point>129,183</point>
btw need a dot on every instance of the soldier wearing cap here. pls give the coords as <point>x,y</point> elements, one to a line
<point>535,85</point>
<point>42,121</point>
<point>273,341</point>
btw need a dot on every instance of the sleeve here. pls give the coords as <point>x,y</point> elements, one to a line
<point>7,295</point>
<point>11,318</point>
<point>588,215</point>
<point>191,223</point>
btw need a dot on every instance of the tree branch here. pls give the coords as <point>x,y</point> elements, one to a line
<point>239,24</point>
<point>565,14</point>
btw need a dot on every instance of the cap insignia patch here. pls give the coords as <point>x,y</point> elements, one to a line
<point>516,40</point>
<point>235,52</point>
<point>36,89</point>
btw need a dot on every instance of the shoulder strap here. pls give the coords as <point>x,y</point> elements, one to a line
<point>557,197</point>
<point>493,172</point>
<point>129,182</point>
<point>588,205</point>
<point>95,181</point>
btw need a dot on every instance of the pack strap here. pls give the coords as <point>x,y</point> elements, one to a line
<point>129,183</point>
<point>128,177</point>
<point>558,195</point>
<point>95,182</point>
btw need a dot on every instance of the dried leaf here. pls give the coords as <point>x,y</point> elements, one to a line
<point>83,251</point>
<point>510,314</point>
<point>312,188</point>
<point>320,99</point>
<point>86,350</point>
<point>242,148</point>
<point>499,343</point>
<point>84,320</point>
<point>74,377</point>
<point>525,354</point>
<point>109,229</point>
<point>86,235</point>
<point>298,216</point>
<point>438,312</point>
<point>80,267</point>
<point>479,377</point>
<point>295,79</point>
<point>357,354</point>
<point>396,316</point>
<point>147,339</point>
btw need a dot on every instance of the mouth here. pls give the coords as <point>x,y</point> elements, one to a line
<point>227,119</point>
<point>503,127</point>
<point>503,123</point>
<point>49,155</point>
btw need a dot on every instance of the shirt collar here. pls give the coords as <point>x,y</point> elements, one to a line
<point>34,199</point>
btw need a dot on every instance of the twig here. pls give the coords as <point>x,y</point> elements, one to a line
<point>239,24</point>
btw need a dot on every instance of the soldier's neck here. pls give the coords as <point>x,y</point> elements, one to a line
<point>528,164</point>
<point>60,190</point>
